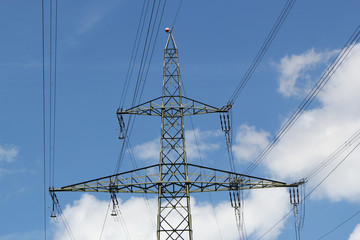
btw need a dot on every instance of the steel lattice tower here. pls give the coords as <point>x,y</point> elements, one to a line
<point>174,215</point>
<point>173,179</point>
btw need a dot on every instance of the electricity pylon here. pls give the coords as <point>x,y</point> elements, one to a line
<point>173,179</point>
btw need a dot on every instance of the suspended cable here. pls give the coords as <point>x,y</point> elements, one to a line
<point>126,86</point>
<point>143,57</point>
<point>128,77</point>
<point>332,171</point>
<point>201,162</point>
<point>50,91</point>
<point>176,15</point>
<point>236,196</point>
<point>115,212</point>
<point>237,202</point>
<point>265,46</point>
<point>43,116</point>
<point>139,87</point>
<point>53,36</point>
<point>141,77</point>
<point>297,199</point>
<point>309,98</point>
<point>145,197</point>
<point>57,208</point>
<point>54,88</point>
<point>348,143</point>
<point>129,74</point>
<point>300,222</point>
<point>104,223</point>
<point>133,56</point>
<point>123,222</point>
<point>131,119</point>
<point>357,145</point>
<point>338,226</point>
<point>153,47</point>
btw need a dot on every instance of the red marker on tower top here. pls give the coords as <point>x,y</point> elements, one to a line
<point>167,29</point>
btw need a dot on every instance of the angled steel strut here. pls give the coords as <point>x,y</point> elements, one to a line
<point>173,179</point>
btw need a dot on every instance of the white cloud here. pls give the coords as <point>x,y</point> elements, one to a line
<point>200,141</point>
<point>86,217</point>
<point>88,18</point>
<point>263,209</point>
<point>148,150</point>
<point>355,235</point>
<point>195,141</point>
<point>319,132</point>
<point>91,15</point>
<point>249,142</point>
<point>295,67</point>
<point>8,153</point>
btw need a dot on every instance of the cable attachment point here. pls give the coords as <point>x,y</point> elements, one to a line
<point>115,202</point>
<point>235,199</point>
<point>225,122</point>
<point>226,128</point>
<point>236,196</point>
<point>122,124</point>
<point>294,196</point>
<point>55,205</point>
<point>297,199</point>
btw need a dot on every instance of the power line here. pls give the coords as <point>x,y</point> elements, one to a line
<point>43,114</point>
<point>176,15</point>
<point>54,88</point>
<point>153,47</point>
<point>202,162</point>
<point>127,82</point>
<point>143,57</point>
<point>346,157</point>
<point>357,145</point>
<point>355,137</point>
<point>146,62</point>
<point>50,91</point>
<point>309,98</point>
<point>63,218</point>
<point>146,200</point>
<point>140,83</point>
<point>338,226</point>
<point>138,93</point>
<point>135,49</point>
<point>103,226</point>
<point>133,56</point>
<point>51,116</point>
<point>265,46</point>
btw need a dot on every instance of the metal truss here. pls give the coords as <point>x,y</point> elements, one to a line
<point>147,180</point>
<point>173,179</point>
<point>189,107</point>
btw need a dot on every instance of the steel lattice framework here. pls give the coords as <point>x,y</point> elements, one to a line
<point>173,179</point>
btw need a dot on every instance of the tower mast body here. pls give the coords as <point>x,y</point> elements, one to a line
<point>174,215</point>
<point>173,178</point>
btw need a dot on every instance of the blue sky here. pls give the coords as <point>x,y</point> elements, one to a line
<point>217,41</point>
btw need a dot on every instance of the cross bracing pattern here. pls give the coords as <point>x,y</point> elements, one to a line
<point>173,179</point>
<point>200,179</point>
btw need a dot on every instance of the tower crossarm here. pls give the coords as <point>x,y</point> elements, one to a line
<point>146,180</point>
<point>189,106</point>
<point>205,179</point>
<point>142,180</point>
